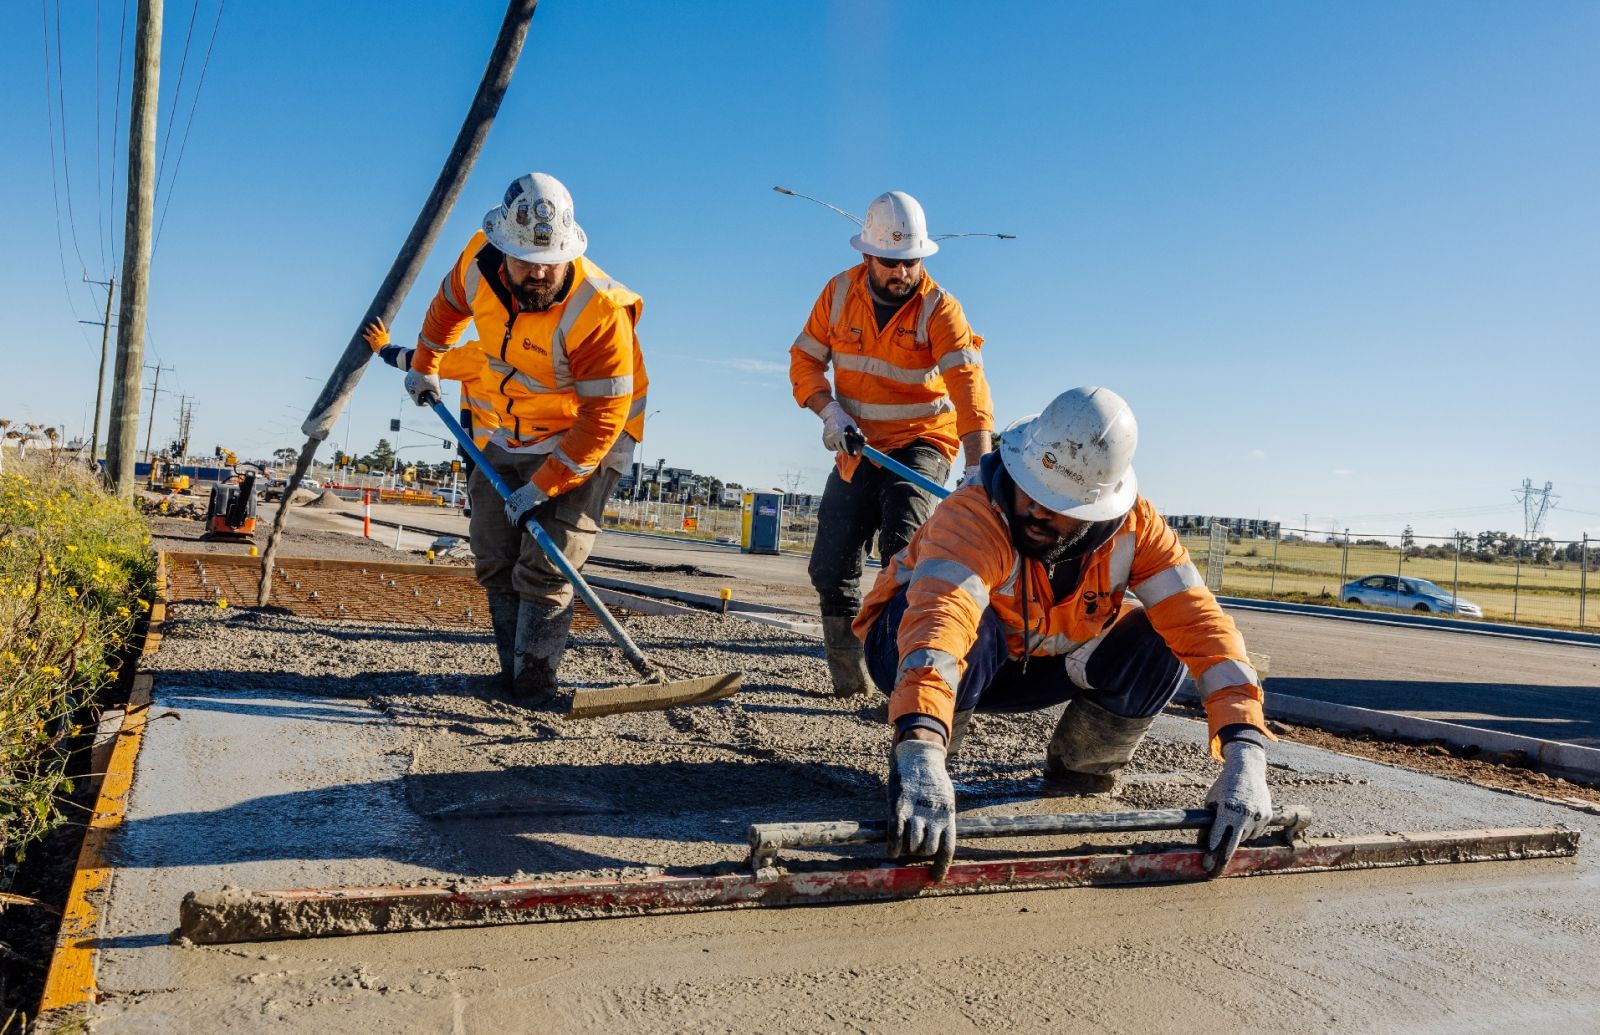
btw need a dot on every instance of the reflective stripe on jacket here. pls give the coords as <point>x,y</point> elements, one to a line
<point>921,377</point>
<point>962,561</point>
<point>574,370</point>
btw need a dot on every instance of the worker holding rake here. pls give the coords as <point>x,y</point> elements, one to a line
<point>908,377</point>
<point>1015,596</point>
<point>563,394</point>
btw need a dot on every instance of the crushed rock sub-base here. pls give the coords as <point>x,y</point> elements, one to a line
<point>520,792</point>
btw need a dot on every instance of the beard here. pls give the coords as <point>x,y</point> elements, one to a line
<point>1050,553</point>
<point>537,296</point>
<point>897,287</point>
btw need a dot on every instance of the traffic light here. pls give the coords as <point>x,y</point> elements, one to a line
<point>394,423</point>
<point>455,467</point>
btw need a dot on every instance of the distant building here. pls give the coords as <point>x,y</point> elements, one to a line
<point>1200,524</point>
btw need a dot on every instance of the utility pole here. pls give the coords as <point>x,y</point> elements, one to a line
<point>100,382</point>
<point>154,388</point>
<point>124,427</point>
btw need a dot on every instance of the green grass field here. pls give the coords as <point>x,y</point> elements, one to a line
<point>1541,594</point>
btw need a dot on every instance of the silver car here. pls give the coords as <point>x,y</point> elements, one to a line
<point>1406,594</point>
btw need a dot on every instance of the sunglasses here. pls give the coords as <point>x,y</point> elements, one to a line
<point>894,263</point>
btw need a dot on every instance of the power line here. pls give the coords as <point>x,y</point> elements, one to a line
<point>99,161</point>
<point>55,183</point>
<point>177,91</point>
<point>66,156</point>
<point>116,117</point>
<point>194,102</point>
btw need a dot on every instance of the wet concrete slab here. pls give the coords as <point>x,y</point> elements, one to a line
<point>283,753</point>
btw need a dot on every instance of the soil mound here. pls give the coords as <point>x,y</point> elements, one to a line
<point>328,501</point>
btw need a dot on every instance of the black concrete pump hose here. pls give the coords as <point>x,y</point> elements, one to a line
<point>408,263</point>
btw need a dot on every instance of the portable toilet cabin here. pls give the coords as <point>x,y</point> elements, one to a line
<point>761,522</point>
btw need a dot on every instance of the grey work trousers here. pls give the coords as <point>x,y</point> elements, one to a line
<point>507,559</point>
<point>874,503</point>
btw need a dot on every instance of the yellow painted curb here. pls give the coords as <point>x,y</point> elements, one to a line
<point>71,982</point>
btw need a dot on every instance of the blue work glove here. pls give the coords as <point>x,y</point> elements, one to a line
<point>521,504</point>
<point>922,804</point>
<point>423,388</point>
<point>1242,803</point>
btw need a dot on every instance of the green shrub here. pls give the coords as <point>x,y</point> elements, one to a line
<point>76,572</point>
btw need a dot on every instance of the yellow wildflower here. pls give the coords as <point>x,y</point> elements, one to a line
<point>124,612</point>
<point>72,548</point>
<point>222,601</point>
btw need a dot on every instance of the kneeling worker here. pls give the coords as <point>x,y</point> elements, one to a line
<point>1012,597</point>
<point>564,384</point>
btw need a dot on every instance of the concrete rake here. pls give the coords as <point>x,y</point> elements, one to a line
<point>658,691</point>
<point>235,915</point>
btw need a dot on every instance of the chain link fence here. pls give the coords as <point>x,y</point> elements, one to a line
<point>704,521</point>
<point>1547,582</point>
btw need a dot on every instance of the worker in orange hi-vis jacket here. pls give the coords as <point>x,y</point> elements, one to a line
<point>464,364</point>
<point>565,382</point>
<point>908,376</point>
<point>1017,594</point>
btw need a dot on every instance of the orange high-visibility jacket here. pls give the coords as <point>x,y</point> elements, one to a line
<point>921,377</point>
<point>574,370</point>
<point>962,560</point>
<point>464,363</point>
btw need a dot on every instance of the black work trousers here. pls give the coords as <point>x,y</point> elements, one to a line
<point>874,503</point>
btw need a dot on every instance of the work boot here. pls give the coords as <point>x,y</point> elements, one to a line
<point>958,733</point>
<point>847,660</point>
<point>503,609</point>
<point>541,638</point>
<point>1089,749</point>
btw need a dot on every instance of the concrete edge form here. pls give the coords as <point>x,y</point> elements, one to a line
<point>1558,758</point>
<point>1521,632</point>
<point>235,915</point>
<point>70,982</point>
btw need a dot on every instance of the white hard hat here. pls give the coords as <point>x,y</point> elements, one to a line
<point>895,228</point>
<point>535,222</point>
<point>1076,458</point>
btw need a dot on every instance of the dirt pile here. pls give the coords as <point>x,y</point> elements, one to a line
<point>327,500</point>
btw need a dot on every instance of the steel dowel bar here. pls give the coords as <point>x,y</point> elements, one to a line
<point>770,837</point>
<point>552,551</point>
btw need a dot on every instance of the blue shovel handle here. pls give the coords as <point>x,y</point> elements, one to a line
<point>618,633</point>
<point>856,445</point>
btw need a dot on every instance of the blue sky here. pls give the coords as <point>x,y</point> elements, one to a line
<point>1341,258</point>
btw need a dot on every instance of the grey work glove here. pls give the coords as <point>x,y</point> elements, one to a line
<point>835,425</point>
<point>1242,803</point>
<point>922,804</point>
<point>423,388</point>
<point>521,504</point>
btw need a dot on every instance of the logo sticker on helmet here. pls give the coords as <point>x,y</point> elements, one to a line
<point>542,233</point>
<point>1049,461</point>
<point>543,209</point>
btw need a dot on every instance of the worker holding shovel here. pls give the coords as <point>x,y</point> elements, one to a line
<point>1014,596</point>
<point>565,383</point>
<point>908,376</point>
